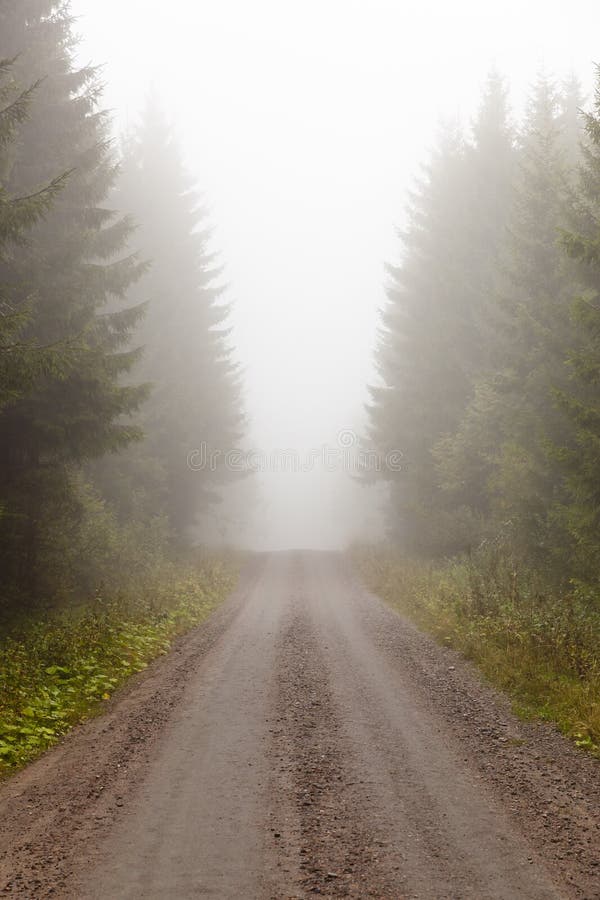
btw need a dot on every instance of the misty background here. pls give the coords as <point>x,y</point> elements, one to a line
<point>304,125</point>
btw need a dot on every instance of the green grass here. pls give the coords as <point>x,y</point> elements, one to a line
<point>540,645</point>
<point>55,673</point>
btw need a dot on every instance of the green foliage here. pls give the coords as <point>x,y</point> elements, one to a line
<point>93,548</point>
<point>70,265</point>
<point>489,372</point>
<point>69,404</point>
<point>55,673</point>
<point>437,326</point>
<point>535,642</point>
<point>500,458</point>
<point>580,456</point>
<point>63,350</point>
<point>22,362</point>
<point>80,507</point>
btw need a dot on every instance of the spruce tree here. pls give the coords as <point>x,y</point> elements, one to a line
<point>570,121</point>
<point>502,449</point>
<point>21,362</point>
<point>418,357</point>
<point>438,334</point>
<point>580,400</point>
<point>66,275</point>
<point>491,160</point>
<point>195,399</point>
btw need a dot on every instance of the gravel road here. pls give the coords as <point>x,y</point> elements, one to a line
<point>305,741</point>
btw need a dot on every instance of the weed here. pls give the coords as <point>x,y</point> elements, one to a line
<point>55,673</point>
<point>540,645</point>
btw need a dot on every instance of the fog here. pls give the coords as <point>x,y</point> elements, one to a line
<point>304,124</point>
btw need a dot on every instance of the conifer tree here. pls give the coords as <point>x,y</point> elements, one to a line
<point>502,449</point>
<point>71,267</point>
<point>423,381</point>
<point>21,362</point>
<point>195,400</point>
<point>571,100</point>
<point>490,160</point>
<point>580,400</point>
<point>437,337</point>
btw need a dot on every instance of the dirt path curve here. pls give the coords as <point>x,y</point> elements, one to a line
<point>305,741</point>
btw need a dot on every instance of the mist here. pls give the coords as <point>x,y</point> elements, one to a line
<point>304,125</point>
<point>299,449</point>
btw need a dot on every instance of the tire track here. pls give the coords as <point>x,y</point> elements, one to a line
<point>318,830</point>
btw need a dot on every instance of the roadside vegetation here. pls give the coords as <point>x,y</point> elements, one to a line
<point>114,366</point>
<point>489,365</point>
<point>56,672</point>
<point>535,642</point>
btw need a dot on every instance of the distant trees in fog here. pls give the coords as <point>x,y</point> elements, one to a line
<point>115,362</point>
<point>489,351</point>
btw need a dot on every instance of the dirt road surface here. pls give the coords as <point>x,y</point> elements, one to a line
<point>306,741</point>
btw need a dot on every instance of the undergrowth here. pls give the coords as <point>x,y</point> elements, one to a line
<point>540,645</point>
<point>55,673</point>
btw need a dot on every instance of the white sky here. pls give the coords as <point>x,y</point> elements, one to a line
<point>304,122</point>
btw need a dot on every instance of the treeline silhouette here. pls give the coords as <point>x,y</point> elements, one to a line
<point>489,348</point>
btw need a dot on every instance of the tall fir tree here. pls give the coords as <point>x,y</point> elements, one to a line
<point>581,399</point>
<point>571,101</point>
<point>491,160</point>
<point>437,336</point>
<point>423,383</point>
<point>21,361</point>
<point>195,402</point>
<point>66,274</point>
<point>502,452</point>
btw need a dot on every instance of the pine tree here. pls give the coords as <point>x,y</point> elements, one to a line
<point>21,362</point>
<point>491,160</point>
<point>581,455</point>
<point>423,380</point>
<point>195,398</point>
<point>66,274</point>
<point>503,446</point>
<point>438,333</point>
<point>570,121</point>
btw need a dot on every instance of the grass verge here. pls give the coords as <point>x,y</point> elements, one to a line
<point>540,646</point>
<point>55,673</point>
